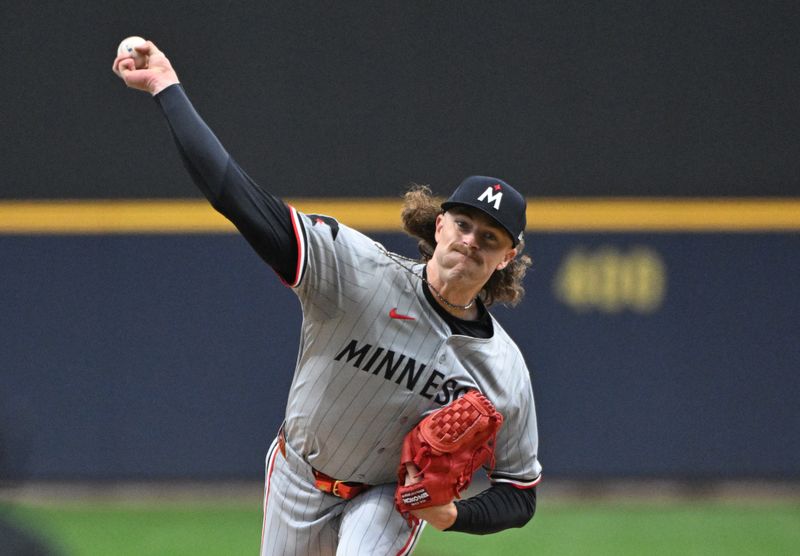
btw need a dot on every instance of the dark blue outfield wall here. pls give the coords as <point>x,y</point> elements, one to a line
<point>170,356</point>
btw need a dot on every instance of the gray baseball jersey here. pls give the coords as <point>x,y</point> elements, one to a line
<point>375,357</point>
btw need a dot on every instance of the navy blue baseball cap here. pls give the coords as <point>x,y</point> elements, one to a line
<point>495,198</point>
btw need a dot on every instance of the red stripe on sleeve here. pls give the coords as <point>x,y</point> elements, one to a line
<point>301,248</point>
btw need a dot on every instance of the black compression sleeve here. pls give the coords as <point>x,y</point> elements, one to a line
<point>499,507</point>
<point>263,219</point>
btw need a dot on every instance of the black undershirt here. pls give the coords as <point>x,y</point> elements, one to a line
<point>499,507</point>
<point>265,222</point>
<point>479,328</point>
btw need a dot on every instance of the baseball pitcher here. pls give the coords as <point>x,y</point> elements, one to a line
<point>404,384</point>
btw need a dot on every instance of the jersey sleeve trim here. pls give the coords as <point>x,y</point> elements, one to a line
<point>516,482</point>
<point>302,247</point>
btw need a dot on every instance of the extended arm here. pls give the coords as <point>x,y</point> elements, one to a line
<point>263,219</point>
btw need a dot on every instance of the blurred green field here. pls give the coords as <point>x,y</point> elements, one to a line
<point>562,528</point>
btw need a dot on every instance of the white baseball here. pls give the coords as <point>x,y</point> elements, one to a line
<point>127,47</point>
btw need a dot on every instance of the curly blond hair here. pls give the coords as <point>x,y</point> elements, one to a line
<point>420,209</point>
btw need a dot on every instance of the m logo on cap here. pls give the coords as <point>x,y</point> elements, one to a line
<point>491,197</point>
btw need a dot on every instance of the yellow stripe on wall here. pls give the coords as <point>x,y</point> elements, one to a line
<point>664,215</point>
<point>544,215</point>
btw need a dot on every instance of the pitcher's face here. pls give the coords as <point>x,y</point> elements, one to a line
<point>470,246</point>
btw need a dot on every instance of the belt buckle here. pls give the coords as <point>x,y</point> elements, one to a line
<point>335,488</point>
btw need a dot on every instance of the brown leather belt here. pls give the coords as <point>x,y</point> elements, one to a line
<point>343,489</point>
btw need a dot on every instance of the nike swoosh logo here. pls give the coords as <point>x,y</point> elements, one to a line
<point>395,315</point>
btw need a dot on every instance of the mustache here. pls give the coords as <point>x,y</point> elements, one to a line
<point>466,251</point>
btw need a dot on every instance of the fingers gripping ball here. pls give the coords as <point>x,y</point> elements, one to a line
<point>128,47</point>
<point>448,446</point>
